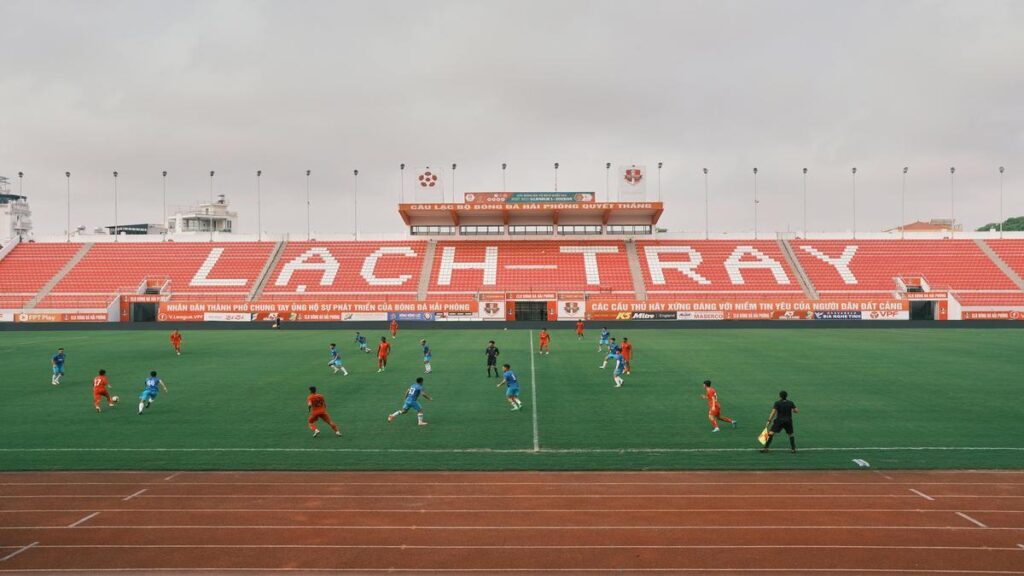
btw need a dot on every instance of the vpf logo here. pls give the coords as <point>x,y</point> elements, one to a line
<point>571,308</point>
<point>491,308</point>
<point>428,179</point>
<point>633,175</point>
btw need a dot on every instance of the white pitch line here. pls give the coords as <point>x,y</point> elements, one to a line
<point>533,395</point>
<point>553,483</point>
<point>83,520</point>
<point>921,494</point>
<point>716,496</point>
<point>537,547</point>
<point>531,570</point>
<point>519,510</point>
<point>134,495</point>
<point>18,551</point>
<point>553,451</point>
<point>968,518</point>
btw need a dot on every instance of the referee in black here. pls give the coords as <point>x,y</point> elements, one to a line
<point>782,413</point>
<point>492,353</point>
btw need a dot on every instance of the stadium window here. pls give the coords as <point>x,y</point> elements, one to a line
<point>531,230</point>
<point>579,230</point>
<point>432,230</point>
<point>630,229</point>
<point>480,230</point>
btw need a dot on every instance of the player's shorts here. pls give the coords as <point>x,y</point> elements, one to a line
<point>427,358</point>
<point>413,404</point>
<point>603,341</point>
<point>319,416</point>
<point>619,371</point>
<point>336,362</point>
<point>716,412</point>
<point>148,395</point>
<point>778,426</point>
<point>492,361</point>
<point>101,394</point>
<point>58,369</point>
<point>512,392</point>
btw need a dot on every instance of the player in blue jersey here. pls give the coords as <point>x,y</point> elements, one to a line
<point>58,366</point>
<point>605,334</point>
<point>412,400</point>
<point>149,393</point>
<point>512,383</point>
<point>361,341</point>
<point>613,349</point>
<point>335,361</point>
<point>620,367</point>
<point>426,357</point>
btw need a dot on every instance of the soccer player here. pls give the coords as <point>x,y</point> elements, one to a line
<point>545,340</point>
<point>714,408</point>
<point>492,354</point>
<point>394,327</point>
<point>512,383</point>
<point>412,400</point>
<point>620,367</point>
<point>149,393</point>
<point>361,341</point>
<point>335,362</point>
<point>605,334</point>
<point>579,329</point>
<point>176,341</point>
<point>99,390</point>
<point>426,357</point>
<point>318,411</point>
<point>58,366</point>
<point>613,349</point>
<point>782,412</point>
<point>627,354</point>
<point>383,349</point>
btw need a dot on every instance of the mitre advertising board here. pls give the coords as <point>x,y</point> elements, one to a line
<point>528,197</point>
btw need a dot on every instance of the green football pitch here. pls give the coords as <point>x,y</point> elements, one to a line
<point>896,398</point>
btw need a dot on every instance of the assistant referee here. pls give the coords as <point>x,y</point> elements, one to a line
<point>782,414</point>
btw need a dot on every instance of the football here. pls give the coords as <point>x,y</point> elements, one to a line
<point>113,399</point>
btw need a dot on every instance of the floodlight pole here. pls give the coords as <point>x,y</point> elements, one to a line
<point>556,176</point>
<point>355,204</point>
<point>115,205</point>
<point>805,203</point>
<point>259,206</point>
<point>1000,200</point>
<point>608,182</point>
<point>707,222</point>
<point>755,203</point>
<point>659,182</point>
<point>453,181</point>
<point>211,205</point>
<point>853,172</point>
<point>67,176</point>
<point>952,204</point>
<point>903,204</point>
<point>504,187</point>
<point>309,234</point>
<point>164,200</point>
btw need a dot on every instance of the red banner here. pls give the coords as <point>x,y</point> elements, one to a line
<point>334,311</point>
<point>992,315</point>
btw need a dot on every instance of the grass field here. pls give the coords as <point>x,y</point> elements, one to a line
<point>929,398</point>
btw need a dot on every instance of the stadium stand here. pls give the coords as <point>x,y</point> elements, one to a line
<point>346,268</point>
<point>1011,252</point>
<point>713,268</point>
<point>28,268</point>
<point>866,266</point>
<point>469,267</point>
<point>227,269</point>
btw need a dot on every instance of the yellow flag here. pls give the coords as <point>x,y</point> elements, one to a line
<point>763,436</point>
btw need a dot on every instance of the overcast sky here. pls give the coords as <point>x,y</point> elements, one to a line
<point>236,86</point>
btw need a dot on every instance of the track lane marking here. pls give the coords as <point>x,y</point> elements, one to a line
<point>922,494</point>
<point>171,477</point>
<point>502,527</point>
<point>139,493</point>
<point>18,551</point>
<point>968,518</point>
<point>83,520</point>
<point>537,547</point>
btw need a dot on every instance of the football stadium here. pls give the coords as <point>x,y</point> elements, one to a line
<point>638,366</point>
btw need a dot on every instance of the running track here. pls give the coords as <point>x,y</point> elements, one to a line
<point>857,522</point>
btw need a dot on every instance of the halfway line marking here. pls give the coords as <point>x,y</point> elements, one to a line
<point>921,494</point>
<point>18,551</point>
<point>80,521</point>
<point>134,495</point>
<point>966,517</point>
<point>533,394</point>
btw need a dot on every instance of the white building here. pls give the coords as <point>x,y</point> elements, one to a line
<point>15,215</point>
<point>200,218</point>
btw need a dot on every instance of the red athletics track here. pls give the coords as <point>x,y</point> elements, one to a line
<point>854,522</point>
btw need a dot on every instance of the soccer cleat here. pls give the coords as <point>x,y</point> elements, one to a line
<point>734,424</point>
<point>422,423</point>
<point>618,384</point>
<point>715,430</point>
<point>514,408</point>
<point>337,432</point>
<point>316,433</point>
<point>391,417</point>
<point>379,370</point>
<point>98,409</point>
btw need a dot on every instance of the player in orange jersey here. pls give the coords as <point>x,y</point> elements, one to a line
<point>714,408</point>
<point>627,354</point>
<point>99,390</point>
<point>579,329</point>
<point>318,411</point>
<point>394,327</point>
<point>176,341</point>
<point>545,340</point>
<point>383,350</point>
